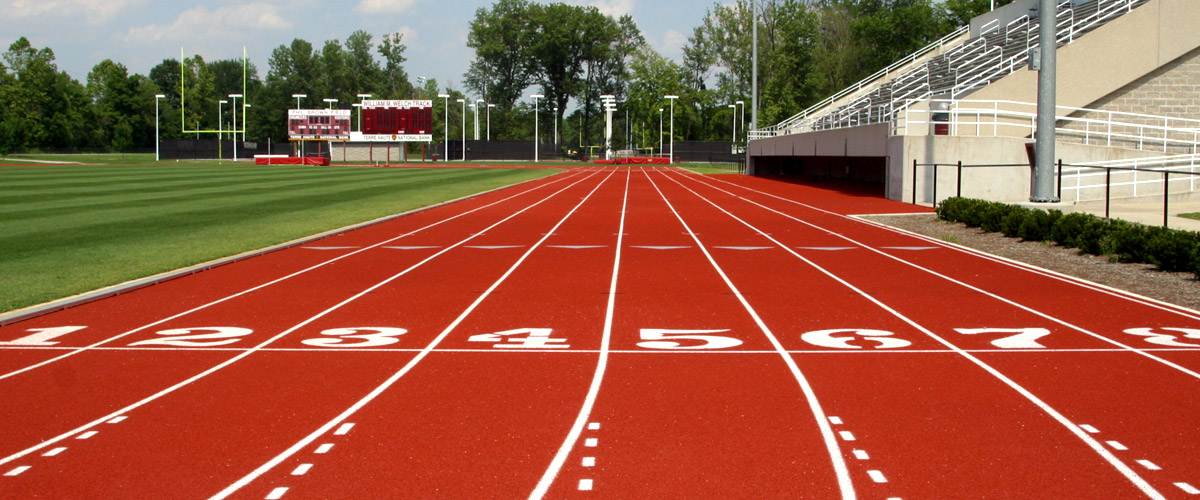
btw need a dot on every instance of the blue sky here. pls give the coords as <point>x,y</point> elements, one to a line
<point>141,33</point>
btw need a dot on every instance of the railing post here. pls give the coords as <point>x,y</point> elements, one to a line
<point>959,192</point>
<point>914,181</point>
<point>1060,180</point>
<point>935,169</point>
<point>1166,194</point>
<point>1107,189</point>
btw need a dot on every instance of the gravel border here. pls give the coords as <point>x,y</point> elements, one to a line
<point>1177,288</point>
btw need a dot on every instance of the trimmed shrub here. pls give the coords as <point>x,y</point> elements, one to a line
<point>1172,250</point>
<point>1067,228</point>
<point>1010,225</point>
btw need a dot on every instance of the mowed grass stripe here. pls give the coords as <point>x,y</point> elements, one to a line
<point>83,177</point>
<point>103,249</point>
<point>67,203</point>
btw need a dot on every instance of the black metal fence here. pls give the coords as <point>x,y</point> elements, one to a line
<point>210,149</point>
<point>496,150</point>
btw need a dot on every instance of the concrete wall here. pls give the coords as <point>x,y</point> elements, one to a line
<point>379,152</point>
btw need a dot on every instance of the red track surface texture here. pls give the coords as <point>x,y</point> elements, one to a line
<point>610,333</point>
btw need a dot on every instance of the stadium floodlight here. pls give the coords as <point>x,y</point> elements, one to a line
<point>477,107</point>
<point>446,125</point>
<point>660,130</point>
<point>556,128</point>
<point>156,98</point>
<point>330,102</point>
<point>233,125</point>
<point>489,122</point>
<point>363,97</point>
<point>359,106</point>
<point>610,105</point>
<point>672,98</point>
<point>535,98</point>
<point>298,97</point>
<point>464,128</point>
<point>733,136</point>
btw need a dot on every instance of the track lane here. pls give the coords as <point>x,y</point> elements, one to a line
<point>690,424</point>
<point>38,430</point>
<point>927,308</point>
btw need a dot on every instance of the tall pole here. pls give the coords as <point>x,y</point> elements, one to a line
<point>742,117</point>
<point>446,125</point>
<point>660,131</point>
<point>361,98</point>
<point>477,106</point>
<point>733,137</point>
<point>234,124</point>
<point>489,122</point>
<point>298,97</point>
<point>1043,171</point>
<point>535,98</point>
<point>244,113</point>
<point>556,128</point>
<point>754,65</point>
<point>220,131</point>
<point>672,98</point>
<point>156,98</point>
<point>464,128</point>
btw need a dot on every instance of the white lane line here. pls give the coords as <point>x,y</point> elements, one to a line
<point>87,434</point>
<point>909,248</point>
<point>577,247</point>
<point>594,426</point>
<point>1187,488</point>
<point>17,471</point>
<point>585,485</point>
<point>277,493</point>
<point>589,461</point>
<point>414,247</point>
<point>877,476</point>
<point>660,247</point>
<point>861,455</point>
<point>54,452</point>
<point>302,469</point>
<point>345,428</point>
<point>271,340</point>
<point>259,287</point>
<point>361,403</point>
<point>835,420</point>
<point>1089,429</point>
<point>846,435</point>
<point>825,249</point>
<point>329,248</point>
<point>744,248</point>
<point>117,420</point>
<point>1116,463</point>
<point>845,484</point>
<point>494,247</point>
<point>1117,446</point>
<point>323,449</point>
<point>591,442</point>
<point>1148,464</point>
<point>589,401</point>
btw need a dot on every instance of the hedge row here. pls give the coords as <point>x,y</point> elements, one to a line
<point>1169,249</point>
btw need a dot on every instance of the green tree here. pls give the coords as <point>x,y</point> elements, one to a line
<point>502,38</point>
<point>962,11</point>
<point>395,79</point>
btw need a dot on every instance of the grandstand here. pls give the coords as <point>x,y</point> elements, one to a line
<point>1128,91</point>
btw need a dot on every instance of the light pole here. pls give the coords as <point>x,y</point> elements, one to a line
<point>610,105</point>
<point>233,126</point>
<point>329,103</point>
<point>359,106</point>
<point>298,97</point>
<point>672,98</point>
<point>535,124</point>
<point>446,125</point>
<point>476,105</point>
<point>220,122</point>
<point>660,131</point>
<point>742,117</point>
<point>489,122</point>
<point>362,97</point>
<point>733,136</point>
<point>464,128</point>
<point>556,128</point>
<point>156,98</point>
<point>244,113</point>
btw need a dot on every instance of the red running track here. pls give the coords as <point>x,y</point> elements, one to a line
<point>609,333</point>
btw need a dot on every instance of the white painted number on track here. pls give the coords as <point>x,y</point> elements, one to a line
<point>43,336</point>
<point>1025,338</point>
<point>840,338</point>
<point>186,337</point>
<point>366,337</point>
<point>659,338</point>
<point>1166,339</point>
<point>522,338</point>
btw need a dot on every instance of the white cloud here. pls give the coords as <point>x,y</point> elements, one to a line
<point>94,11</point>
<point>200,23</point>
<point>671,45</point>
<point>385,6</point>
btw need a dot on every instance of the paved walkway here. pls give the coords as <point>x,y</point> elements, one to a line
<point>1148,213</point>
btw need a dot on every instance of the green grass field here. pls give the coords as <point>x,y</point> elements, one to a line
<point>69,229</point>
<point>1195,216</point>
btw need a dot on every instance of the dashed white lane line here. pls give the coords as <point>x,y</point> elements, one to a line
<point>1187,488</point>
<point>585,485</point>
<point>846,435</point>
<point>835,420</point>
<point>117,420</point>
<point>1148,464</point>
<point>861,455</point>
<point>18,470</point>
<point>277,493</point>
<point>324,448</point>
<point>877,476</point>
<point>55,451</point>
<point>589,461</point>
<point>594,426</point>
<point>591,442</point>
<point>1117,446</point>
<point>302,469</point>
<point>87,434</point>
<point>345,428</point>
<point>1089,429</point>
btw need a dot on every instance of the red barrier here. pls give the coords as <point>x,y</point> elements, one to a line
<point>637,160</point>
<point>292,160</point>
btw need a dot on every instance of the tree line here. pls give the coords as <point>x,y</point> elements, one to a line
<point>572,55</point>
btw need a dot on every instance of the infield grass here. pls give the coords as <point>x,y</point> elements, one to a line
<point>70,229</point>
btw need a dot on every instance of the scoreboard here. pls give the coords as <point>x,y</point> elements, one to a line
<point>409,121</point>
<point>319,124</point>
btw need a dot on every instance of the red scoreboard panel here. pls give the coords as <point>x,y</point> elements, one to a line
<point>318,124</point>
<point>397,117</point>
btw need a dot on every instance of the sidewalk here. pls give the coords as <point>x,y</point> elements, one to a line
<point>1150,214</point>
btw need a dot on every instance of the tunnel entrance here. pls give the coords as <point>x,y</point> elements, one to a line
<point>858,175</point>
